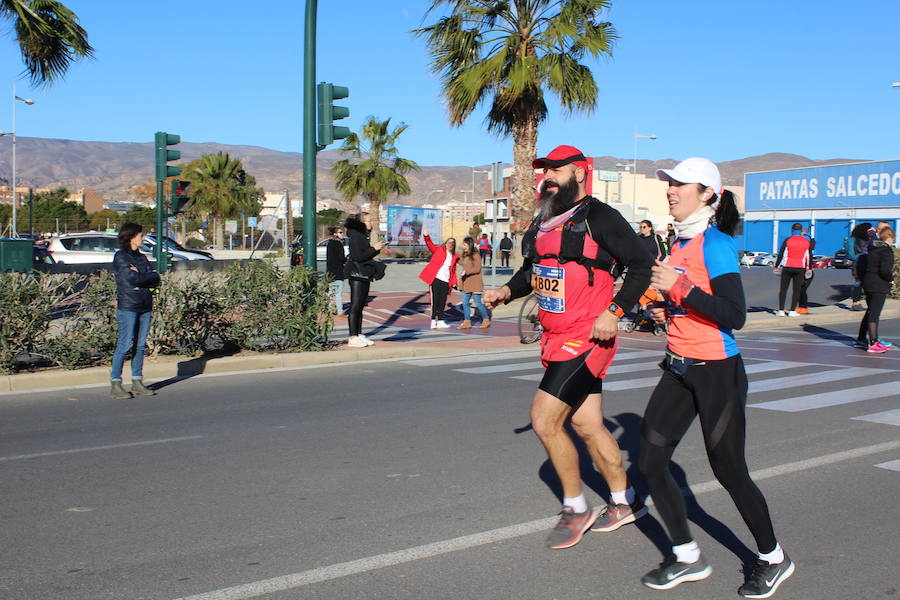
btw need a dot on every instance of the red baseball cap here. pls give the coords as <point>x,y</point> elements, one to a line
<point>561,155</point>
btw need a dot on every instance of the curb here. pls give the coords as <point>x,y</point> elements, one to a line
<point>171,367</point>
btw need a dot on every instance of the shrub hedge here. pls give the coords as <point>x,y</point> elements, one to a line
<point>70,320</point>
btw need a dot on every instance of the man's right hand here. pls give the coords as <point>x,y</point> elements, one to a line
<point>658,314</point>
<point>424,231</point>
<point>492,298</point>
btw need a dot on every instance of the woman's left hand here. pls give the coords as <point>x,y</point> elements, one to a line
<point>663,276</point>
<point>133,268</point>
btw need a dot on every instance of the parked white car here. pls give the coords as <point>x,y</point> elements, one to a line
<point>177,251</point>
<point>748,258</point>
<point>322,249</point>
<point>81,248</point>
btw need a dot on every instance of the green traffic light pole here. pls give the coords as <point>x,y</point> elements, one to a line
<point>309,137</point>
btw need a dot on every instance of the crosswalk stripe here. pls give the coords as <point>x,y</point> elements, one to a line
<point>613,370</point>
<point>821,400</point>
<point>537,365</point>
<point>455,360</point>
<point>893,465</point>
<point>634,384</point>
<point>888,417</point>
<point>796,381</point>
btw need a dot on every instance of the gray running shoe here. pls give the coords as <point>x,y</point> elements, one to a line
<point>617,515</point>
<point>139,389</point>
<point>766,578</point>
<point>671,573</point>
<point>570,528</point>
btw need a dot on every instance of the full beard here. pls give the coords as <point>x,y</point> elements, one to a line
<point>557,199</point>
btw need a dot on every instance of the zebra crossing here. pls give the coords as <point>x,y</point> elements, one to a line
<point>775,385</point>
<point>398,333</point>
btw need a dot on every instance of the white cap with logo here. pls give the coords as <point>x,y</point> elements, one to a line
<point>694,170</point>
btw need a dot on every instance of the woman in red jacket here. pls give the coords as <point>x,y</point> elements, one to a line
<point>440,274</point>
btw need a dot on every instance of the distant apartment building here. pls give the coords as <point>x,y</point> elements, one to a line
<point>90,200</point>
<point>6,196</point>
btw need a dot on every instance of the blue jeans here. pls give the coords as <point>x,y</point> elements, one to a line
<point>130,323</point>
<point>336,288</point>
<point>478,303</point>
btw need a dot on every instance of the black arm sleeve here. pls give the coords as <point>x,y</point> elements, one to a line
<point>360,250</point>
<point>781,253</point>
<point>726,305</point>
<point>520,283</point>
<point>614,235</point>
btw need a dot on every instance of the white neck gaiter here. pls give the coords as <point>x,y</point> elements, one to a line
<point>695,224</point>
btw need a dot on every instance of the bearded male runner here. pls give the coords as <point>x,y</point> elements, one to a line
<point>573,251</point>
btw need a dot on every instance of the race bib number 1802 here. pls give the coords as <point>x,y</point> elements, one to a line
<point>549,283</point>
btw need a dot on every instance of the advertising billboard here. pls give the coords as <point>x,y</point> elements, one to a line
<point>852,185</point>
<point>404,225</point>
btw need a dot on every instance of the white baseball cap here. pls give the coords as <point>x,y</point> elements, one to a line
<point>694,170</point>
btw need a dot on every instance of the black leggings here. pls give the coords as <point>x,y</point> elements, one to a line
<point>359,294</point>
<point>439,291</point>
<point>869,323</point>
<point>789,274</point>
<point>717,391</point>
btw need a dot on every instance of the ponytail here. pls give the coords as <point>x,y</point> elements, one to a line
<point>727,215</point>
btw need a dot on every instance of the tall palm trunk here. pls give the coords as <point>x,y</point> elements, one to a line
<point>525,135</point>
<point>374,212</point>
<point>220,232</point>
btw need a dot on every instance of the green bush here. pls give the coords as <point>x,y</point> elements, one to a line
<point>70,320</point>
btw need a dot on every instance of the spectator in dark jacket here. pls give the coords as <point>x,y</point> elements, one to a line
<point>876,281</point>
<point>134,279</point>
<point>652,241</point>
<point>334,266</point>
<point>671,236</point>
<point>506,246</point>
<point>359,274</point>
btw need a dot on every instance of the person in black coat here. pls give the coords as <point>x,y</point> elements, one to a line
<point>359,273</point>
<point>334,266</point>
<point>876,271</point>
<point>135,277</point>
<point>652,240</point>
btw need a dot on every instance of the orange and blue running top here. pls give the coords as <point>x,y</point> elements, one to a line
<point>701,260</point>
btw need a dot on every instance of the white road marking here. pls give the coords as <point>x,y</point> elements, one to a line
<point>893,465</point>
<point>532,364</point>
<point>613,370</point>
<point>888,417</point>
<point>380,561</point>
<point>821,400</point>
<point>463,359</point>
<point>96,448</point>
<point>762,367</point>
<point>798,381</point>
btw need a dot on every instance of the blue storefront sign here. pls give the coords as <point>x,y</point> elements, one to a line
<point>854,185</point>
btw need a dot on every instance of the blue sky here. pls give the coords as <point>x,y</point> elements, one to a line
<point>720,79</point>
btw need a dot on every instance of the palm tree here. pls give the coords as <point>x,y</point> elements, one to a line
<point>373,171</point>
<point>48,35</point>
<point>511,51</point>
<point>219,188</point>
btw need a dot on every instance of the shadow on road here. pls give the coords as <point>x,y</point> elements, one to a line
<point>191,368</point>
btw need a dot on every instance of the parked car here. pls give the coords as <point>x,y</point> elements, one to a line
<point>81,248</point>
<point>841,260</point>
<point>765,259</point>
<point>321,249</point>
<point>177,251</point>
<point>748,257</point>
<point>821,262</point>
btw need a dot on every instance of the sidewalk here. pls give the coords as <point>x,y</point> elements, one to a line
<point>502,337</point>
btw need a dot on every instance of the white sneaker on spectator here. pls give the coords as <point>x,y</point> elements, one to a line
<point>780,313</point>
<point>441,324</point>
<point>793,313</point>
<point>367,340</point>
<point>434,323</point>
<point>356,341</point>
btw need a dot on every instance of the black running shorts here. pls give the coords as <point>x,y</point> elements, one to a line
<point>570,380</point>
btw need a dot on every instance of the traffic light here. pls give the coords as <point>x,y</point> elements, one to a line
<point>180,197</point>
<point>328,113</point>
<point>164,155</point>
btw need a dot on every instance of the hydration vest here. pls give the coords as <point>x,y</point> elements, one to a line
<point>571,246</point>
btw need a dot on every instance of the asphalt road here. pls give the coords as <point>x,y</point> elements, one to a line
<point>410,479</point>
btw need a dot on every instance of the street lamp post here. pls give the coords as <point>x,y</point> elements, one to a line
<point>634,174</point>
<point>15,199</point>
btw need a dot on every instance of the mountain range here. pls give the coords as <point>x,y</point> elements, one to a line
<point>111,168</point>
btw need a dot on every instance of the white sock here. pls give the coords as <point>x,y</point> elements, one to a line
<point>577,504</point>
<point>774,557</point>
<point>687,553</point>
<point>624,497</point>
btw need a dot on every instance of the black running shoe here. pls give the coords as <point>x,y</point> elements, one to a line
<point>671,573</point>
<point>766,578</point>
